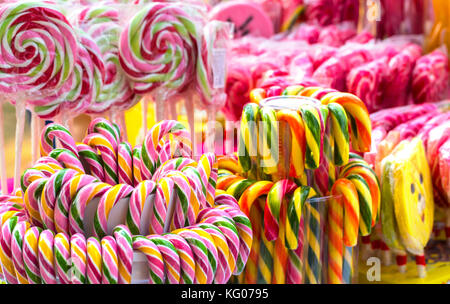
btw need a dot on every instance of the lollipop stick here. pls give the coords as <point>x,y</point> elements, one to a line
<point>173,109</point>
<point>34,137</point>
<point>145,114</point>
<point>3,177</point>
<point>189,104</point>
<point>20,126</point>
<point>160,110</point>
<point>123,125</point>
<point>211,130</point>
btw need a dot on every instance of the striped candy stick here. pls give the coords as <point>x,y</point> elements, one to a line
<point>107,129</point>
<point>213,255</point>
<point>339,129</point>
<point>50,194</point>
<point>212,185</point>
<point>185,210</point>
<point>246,201</point>
<point>227,226</point>
<point>46,257</point>
<point>359,119</point>
<point>198,189</point>
<point>108,154</point>
<point>170,257</point>
<point>164,193</point>
<point>229,162</point>
<point>124,242</point>
<point>92,161</point>
<point>61,250</point>
<point>266,250</point>
<point>275,226</point>
<point>313,125</point>
<point>237,189</point>
<point>313,265</point>
<point>17,241</point>
<point>365,203</point>
<point>268,141</point>
<point>110,263</point>
<point>298,141</point>
<point>177,164</point>
<point>248,138</point>
<point>256,95</point>
<point>294,214</point>
<point>64,200</point>
<point>187,262</point>
<point>347,265</point>
<point>108,200</point>
<point>78,258</point>
<point>154,258</point>
<point>29,176</point>
<point>224,182</point>
<point>363,170</point>
<point>68,159</point>
<point>205,167</point>
<point>225,261</point>
<point>244,228</point>
<point>149,154</point>
<point>31,199</point>
<point>84,196</point>
<point>137,202</point>
<point>55,131</point>
<point>137,175</point>
<point>5,254</point>
<point>93,261</point>
<point>335,241</point>
<point>203,272</point>
<point>30,255</point>
<point>346,189</point>
<point>125,163</point>
<point>294,271</point>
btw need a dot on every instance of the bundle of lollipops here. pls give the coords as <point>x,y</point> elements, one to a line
<point>85,211</point>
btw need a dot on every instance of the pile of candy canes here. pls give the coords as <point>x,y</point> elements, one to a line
<point>187,232</point>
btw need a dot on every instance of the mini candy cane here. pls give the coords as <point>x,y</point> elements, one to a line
<point>124,162</point>
<point>67,195</point>
<point>149,155</point>
<point>78,258</point>
<point>31,199</point>
<point>110,264</point>
<point>30,254</point>
<point>61,250</point>
<point>108,130</point>
<point>137,175</point>
<point>55,131</point>
<point>17,241</point>
<point>187,262</point>
<point>124,242</point>
<point>82,199</point>
<point>93,162</point>
<point>50,193</point>
<point>164,192</point>
<point>93,261</point>
<point>154,258</point>
<point>170,257</point>
<point>108,155</point>
<point>108,200</point>
<point>137,202</point>
<point>6,254</point>
<point>203,271</point>
<point>68,159</point>
<point>46,257</point>
<point>349,194</point>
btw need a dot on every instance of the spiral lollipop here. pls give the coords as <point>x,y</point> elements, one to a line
<point>172,34</point>
<point>101,22</point>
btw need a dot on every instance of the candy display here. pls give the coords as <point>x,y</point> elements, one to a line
<point>224,142</point>
<point>54,218</point>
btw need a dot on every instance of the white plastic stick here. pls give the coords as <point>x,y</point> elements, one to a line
<point>189,104</point>
<point>20,126</point>
<point>145,114</point>
<point>123,125</point>
<point>34,137</point>
<point>211,130</point>
<point>160,109</point>
<point>3,176</point>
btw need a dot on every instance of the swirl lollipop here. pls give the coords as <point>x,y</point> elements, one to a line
<point>37,56</point>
